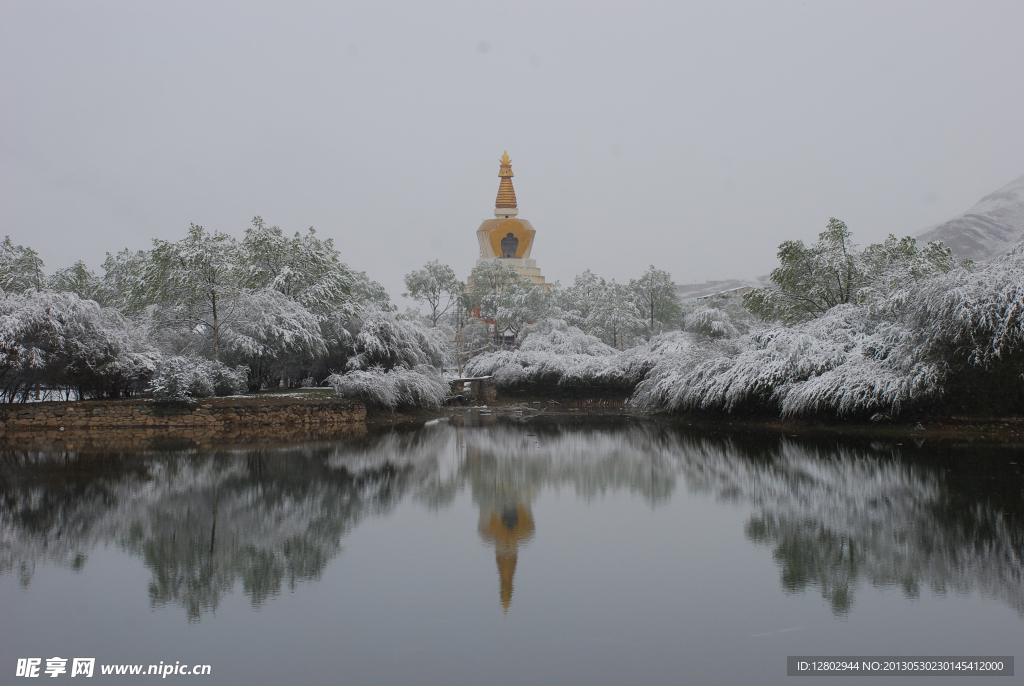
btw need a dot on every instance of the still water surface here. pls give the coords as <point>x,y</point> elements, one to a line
<point>539,552</point>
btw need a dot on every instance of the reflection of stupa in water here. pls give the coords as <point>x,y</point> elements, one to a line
<point>503,491</point>
<point>506,529</point>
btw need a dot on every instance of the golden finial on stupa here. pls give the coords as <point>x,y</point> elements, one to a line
<point>506,194</point>
<point>506,166</point>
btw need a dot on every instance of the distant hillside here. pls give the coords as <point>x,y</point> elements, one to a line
<point>695,291</point>
<point>990,228</point>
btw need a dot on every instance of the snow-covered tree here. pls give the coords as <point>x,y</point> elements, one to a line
<point>306,269</point>
<point>895,269</point>
<point>605,309</point>
<point>519,304</point>
<point>21,269</point>
<point>437,286</point>
<point>77,279</point>
<point>486,281</point>
<point>196,281</point>
<point>654,295</point>
<point>268,331</point>
<point>810,280</point>
<point>617,320</point>
<point>180,378</point>
<point>581,302</point>
<point>123,285</point>
<point>57,341</point>
<point>379,339</point>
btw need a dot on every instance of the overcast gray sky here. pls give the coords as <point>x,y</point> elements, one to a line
<point>692,136</point>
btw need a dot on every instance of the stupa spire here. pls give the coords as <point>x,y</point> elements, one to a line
<point>506,194</point>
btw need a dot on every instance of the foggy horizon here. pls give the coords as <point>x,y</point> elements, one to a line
<point>693,138</point>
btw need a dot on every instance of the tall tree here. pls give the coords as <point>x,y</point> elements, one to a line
<point>502,297</point>
<point>196,280</point>
<point>654,294</point>
<point>77,279</point>
<point>123,283</point>
<point>269,331</point>
<point>581,301</point>
<point>307,270</point>
<point>437,286</point>
<point>812,279</point>
<point>616,320</point>
<point>21,269</point>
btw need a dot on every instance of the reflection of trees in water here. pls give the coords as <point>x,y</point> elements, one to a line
<point>201,522</point>
<point>504,462</point>
<point>835,517</point>
<point>506,465</point>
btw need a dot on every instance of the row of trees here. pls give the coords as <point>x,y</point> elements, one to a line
<point>841,330</point>
<point>208,313</point>
<point>619,314</point>
<point>211,313</point>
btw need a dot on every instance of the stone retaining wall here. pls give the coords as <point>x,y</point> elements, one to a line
<point>205,420</point>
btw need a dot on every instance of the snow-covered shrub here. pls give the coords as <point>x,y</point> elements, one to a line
<point>710,321</point>
<point>180,378</point>
<point>863,385</point>
<point>634,364</point>
<point>977,313</point>
<point>835,364</point>
<point>381,339</point>
<point>227,380</point>
<point>551,353</point>
<point>268,330</point>
<point>394,388</point>
<point>557,337</point>
<point>309,382</point>
<point>58,341</point>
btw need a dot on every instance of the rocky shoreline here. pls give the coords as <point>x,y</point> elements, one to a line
<point>131,424</point>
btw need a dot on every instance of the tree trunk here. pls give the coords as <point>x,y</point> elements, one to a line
<point>216,329</point>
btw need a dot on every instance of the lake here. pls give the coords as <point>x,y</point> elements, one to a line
<point>495,550</point>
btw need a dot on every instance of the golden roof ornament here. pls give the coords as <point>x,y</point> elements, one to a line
<point>506,166</point>
<point>506,194</point>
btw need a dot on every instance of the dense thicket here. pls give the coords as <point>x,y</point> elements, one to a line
<point>204,315</point>
<point>841,332</point>
<point>59,342</point>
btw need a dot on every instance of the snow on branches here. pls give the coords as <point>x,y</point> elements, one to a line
<point>381,339</point>
<point>57,341</point>
<point>422,386</point>
<point>394,362</point>
<point>180,378</point>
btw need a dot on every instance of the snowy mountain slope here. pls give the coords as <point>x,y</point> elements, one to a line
<point>695,291</point>
<point>992,227</point>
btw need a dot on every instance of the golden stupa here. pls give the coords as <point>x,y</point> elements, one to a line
<point>506,237</point>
